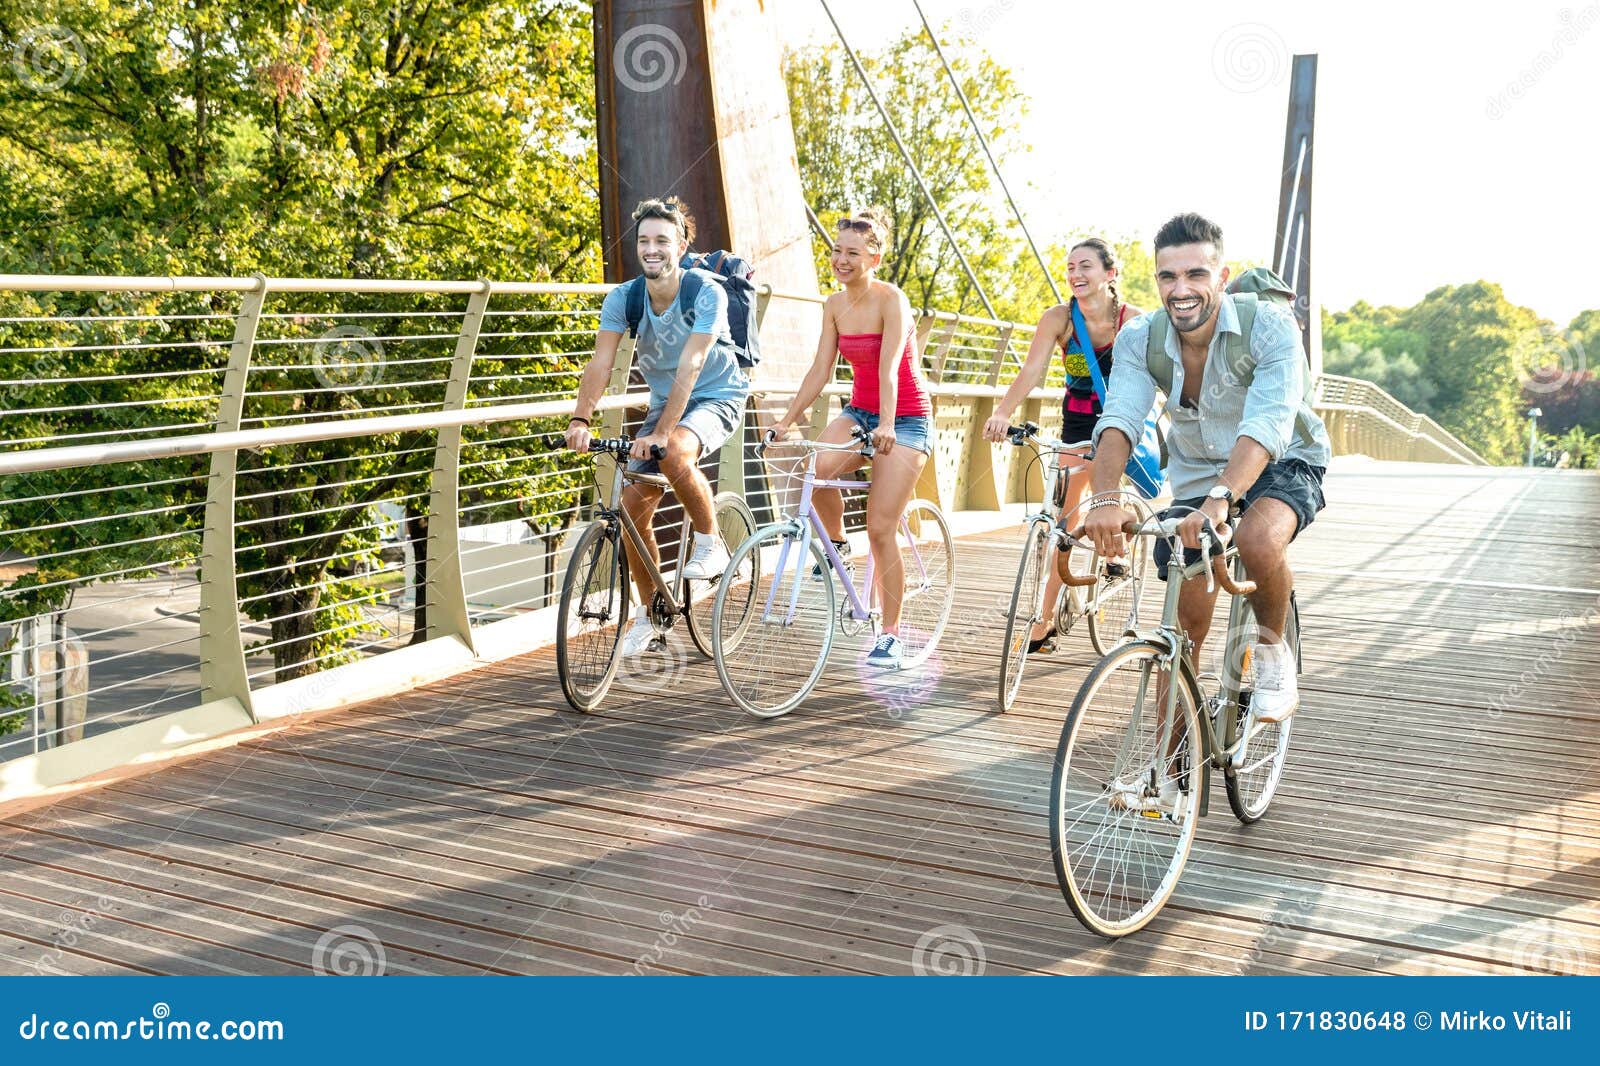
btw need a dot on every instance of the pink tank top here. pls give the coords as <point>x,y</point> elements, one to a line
<point>863,350</point>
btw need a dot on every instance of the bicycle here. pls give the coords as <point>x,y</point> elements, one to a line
<point>1112,609</point>
<point>596,592</point>
<point>776,664</point>
<point>1124,794</point>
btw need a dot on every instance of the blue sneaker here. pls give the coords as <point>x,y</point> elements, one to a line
<point>820,570</point>
<point>886,653</point>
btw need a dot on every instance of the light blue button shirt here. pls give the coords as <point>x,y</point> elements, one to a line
<point>1200,441</point>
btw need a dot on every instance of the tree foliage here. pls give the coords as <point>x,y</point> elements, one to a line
<point>192,137</point>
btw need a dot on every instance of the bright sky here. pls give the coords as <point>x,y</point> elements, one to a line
<point>1427,170</point>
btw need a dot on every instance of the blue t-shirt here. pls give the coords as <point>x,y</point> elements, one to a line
<point>661,339</point>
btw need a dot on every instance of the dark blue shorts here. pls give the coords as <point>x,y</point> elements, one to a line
<point>1295,482</point>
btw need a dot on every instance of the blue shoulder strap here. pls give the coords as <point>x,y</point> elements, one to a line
<point>688,293</point>
<point>1080,336</point>
<point>634,305</point>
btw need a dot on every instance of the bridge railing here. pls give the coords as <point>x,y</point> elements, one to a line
<point>224,501</point>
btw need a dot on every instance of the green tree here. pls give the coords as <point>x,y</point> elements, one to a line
<point>293,139</point>
<point>849,160</point>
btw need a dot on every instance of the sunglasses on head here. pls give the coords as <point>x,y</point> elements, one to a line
<point>860,225</point>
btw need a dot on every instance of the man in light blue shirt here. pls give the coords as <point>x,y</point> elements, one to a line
<point>697,394</point>
<point>1256,446</point>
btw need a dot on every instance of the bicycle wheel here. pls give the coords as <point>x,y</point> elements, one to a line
<point>594,604</point>
<point>770,657</point>
<point>927,555</point>
<point>1124,792</point>
<point>1025,609</point>
<point>734,525</point>
<point>1114,611</point>
<point>1252,775</point>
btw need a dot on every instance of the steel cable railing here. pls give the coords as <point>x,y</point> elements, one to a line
<point>214,487</point>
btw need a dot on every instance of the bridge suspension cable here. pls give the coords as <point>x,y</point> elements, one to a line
<point>993,163</point>
<point>906,155</point>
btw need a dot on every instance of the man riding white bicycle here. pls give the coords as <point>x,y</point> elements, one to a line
<point>1248,443</point>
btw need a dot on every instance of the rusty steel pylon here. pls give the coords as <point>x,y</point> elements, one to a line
<point>1291,257</point>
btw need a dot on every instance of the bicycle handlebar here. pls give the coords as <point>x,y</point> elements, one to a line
<point>618,447</point>
<point>1212,539</point>
<point>860,440</point>
<point>1029,431</point>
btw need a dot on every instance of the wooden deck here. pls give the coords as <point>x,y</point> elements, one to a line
<point>1440,812</point>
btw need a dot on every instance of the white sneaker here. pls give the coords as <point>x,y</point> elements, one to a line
<point>1276,695</point>
<point>709,560</point>
<point>640,638</point>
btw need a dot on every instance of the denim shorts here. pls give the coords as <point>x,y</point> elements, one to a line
<point>1293,481</point>
<point>713,421</point>
<point>913,431</point>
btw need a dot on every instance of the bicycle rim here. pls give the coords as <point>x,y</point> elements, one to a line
<point>594,603</point>
<point>927,555</point>
<point>1118,849</point>
<point>734,525</point>
<point>1115,610</point>
<point>770,658</point>
<point>1025,608</point>
<point>1252,785</point>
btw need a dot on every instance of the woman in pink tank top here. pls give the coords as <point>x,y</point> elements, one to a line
<point>869,322</point>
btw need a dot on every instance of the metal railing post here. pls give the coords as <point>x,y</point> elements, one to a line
<point>943,352</point>
<point>222,667</point>
<point>444,582</point>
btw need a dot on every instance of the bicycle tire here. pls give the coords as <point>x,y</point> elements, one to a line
<point>778,658</point>
<point>587,656</point>
<point>928,562</point>
<point>735,523</point>
<point>1024,611</point>
<point>1104,717</point>
<point>1252,786</point>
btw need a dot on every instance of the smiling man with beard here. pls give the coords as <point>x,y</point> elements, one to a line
<point>1249,440</point>
<point>684,349</point>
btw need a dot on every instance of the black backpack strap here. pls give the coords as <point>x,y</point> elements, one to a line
<point>634,306</point>
<point>688,293</point>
